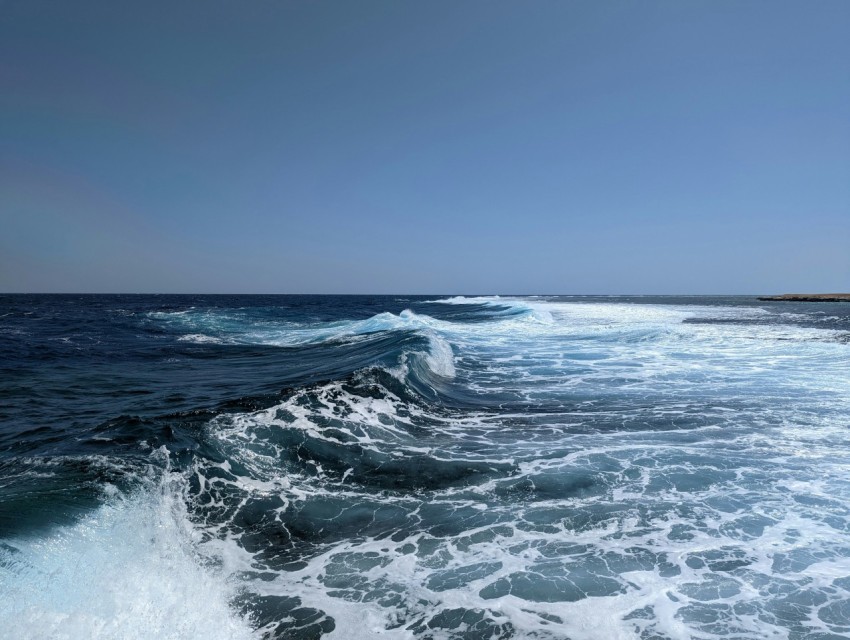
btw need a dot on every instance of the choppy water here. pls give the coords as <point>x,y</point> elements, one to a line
<point>360,467</point>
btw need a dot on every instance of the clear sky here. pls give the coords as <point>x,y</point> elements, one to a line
<point>424,147</point>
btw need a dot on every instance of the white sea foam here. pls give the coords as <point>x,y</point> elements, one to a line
<point>675,479</point>
<point>200,338</point>
<point>128,570</point>
<point>440,358</point>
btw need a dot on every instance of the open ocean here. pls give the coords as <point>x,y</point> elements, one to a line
<point>227,467</point>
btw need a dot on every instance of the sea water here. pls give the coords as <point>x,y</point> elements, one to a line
<point>424,467</point>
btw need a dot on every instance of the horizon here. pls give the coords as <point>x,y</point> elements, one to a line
<point>418,295</point>
<point>267,373</point>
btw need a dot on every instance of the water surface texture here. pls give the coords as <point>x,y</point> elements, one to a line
<point>403,467</point>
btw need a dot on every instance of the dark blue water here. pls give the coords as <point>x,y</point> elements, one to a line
<point>417,467</point>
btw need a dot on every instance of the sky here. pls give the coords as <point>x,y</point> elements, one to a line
<point>492,147</point>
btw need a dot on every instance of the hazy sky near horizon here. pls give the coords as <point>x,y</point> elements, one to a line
<point>424,147</point>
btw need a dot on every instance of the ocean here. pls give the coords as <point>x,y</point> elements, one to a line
<point>423,467</point>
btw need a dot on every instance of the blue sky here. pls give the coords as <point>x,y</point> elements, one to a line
<point>425,147</point>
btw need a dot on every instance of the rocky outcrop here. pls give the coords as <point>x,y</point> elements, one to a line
<point>810,297</point>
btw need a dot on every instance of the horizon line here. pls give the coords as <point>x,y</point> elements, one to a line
<point>202,293</point>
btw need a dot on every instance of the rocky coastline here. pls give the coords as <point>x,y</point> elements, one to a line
<point>809,297</point>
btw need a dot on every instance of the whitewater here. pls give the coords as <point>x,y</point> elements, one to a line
<point>412,467</point>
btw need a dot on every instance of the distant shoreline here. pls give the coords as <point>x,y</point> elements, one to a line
<point>809,297</point>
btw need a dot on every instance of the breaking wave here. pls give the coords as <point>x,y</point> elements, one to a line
<point>456,468</point>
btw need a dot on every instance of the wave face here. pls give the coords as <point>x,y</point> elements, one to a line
<point>441,468</point>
